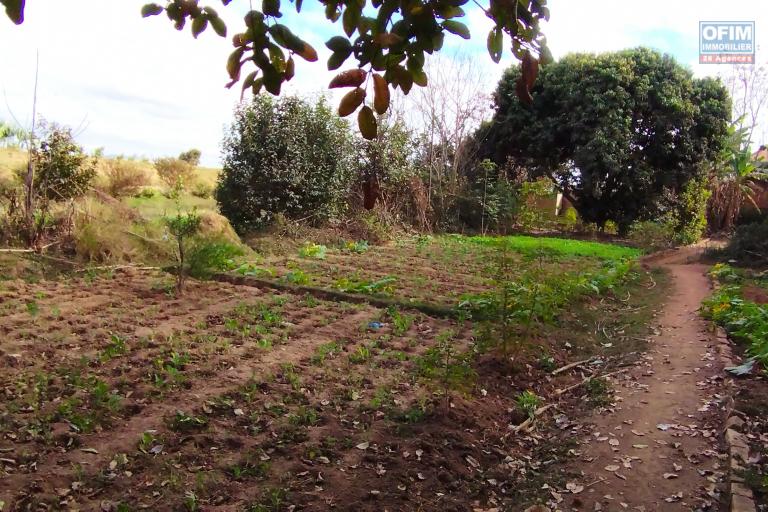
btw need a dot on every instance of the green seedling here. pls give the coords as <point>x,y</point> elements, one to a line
<point>325,351</point>
<point>528,402</point>
<point>314,251</point>
<point>115,347</point>
<point>182,422</point>
<point>400,322</point>
<point>361,355</point>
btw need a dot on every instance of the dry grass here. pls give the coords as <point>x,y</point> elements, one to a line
<point>13,158</point>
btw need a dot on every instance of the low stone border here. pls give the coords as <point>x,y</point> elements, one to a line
<point>742,498</point>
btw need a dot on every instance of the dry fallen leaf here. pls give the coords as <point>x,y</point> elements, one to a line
<point>537,508</point>
<point>574,488</point>
<point>612,468</point>
<point>669,476</point>
<point>363,446</point>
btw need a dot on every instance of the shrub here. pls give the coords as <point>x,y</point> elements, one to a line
<point>653,236</point>
<point>202,190</point>
<point>206,257</point>
<point>386,173</point>
<point>124,178</point>
<point>493,200</point>
<point>689,215</point>
<point>192,157</point>
<point>530,215</point>
<point>174,172</point>
<point>570,219</point>
<point>147,193</point>
<point>182,227</point>
<point>283,156</point>
<point>749,243</point>
<point>62,169</point>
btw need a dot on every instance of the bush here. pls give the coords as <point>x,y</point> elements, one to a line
<point>570,219</point>
<point>62,170</point>
<point>285,157</point>
<point>653,236</point>
<point>208,256</point>
<point>749,244</point>
<point>182,227</point>
<point>492,201</point>
<point>124,178</point>
<point>202,190</point>
<point>689,214</point>
<point>147,193</point>
<point>174,172</point>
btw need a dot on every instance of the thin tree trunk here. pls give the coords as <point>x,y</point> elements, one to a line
<point>29,180</point>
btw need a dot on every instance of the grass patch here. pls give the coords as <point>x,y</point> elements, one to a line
<point>160,206</point>
<point>532,245</point>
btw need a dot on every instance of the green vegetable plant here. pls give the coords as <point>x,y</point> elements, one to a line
<point>528,402</point>
<point>400,322</point>
<point>744,320</point>
<point>383,286</point>
<point>313,251</point>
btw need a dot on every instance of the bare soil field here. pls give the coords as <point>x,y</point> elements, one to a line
<point>118,395</point>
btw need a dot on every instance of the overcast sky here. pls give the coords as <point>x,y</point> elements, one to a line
<point>138,87</point>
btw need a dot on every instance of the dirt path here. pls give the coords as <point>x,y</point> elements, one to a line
<point>658,450</point>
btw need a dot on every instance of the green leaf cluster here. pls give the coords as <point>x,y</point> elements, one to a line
<point>621,134</point>
<point>283,158</point>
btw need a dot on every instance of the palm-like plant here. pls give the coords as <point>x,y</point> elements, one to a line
<point>11,135</point>
<point>734,175</point>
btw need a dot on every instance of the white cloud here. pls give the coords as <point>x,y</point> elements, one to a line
<point>137,86</point>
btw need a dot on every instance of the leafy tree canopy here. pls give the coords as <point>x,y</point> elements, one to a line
<point>283,157</point>
<point>63,170</point>
<point>388,40</point>
<point>617,132</point>
<point>192,157</point>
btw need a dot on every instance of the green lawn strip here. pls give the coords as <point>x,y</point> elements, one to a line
<point>159,206</point>
<point>531,245</point>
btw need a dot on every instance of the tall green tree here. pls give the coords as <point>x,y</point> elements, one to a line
<point>388,41</point>
<point>618,133</point>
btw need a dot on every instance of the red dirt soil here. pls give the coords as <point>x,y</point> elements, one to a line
<point>658,448</point>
